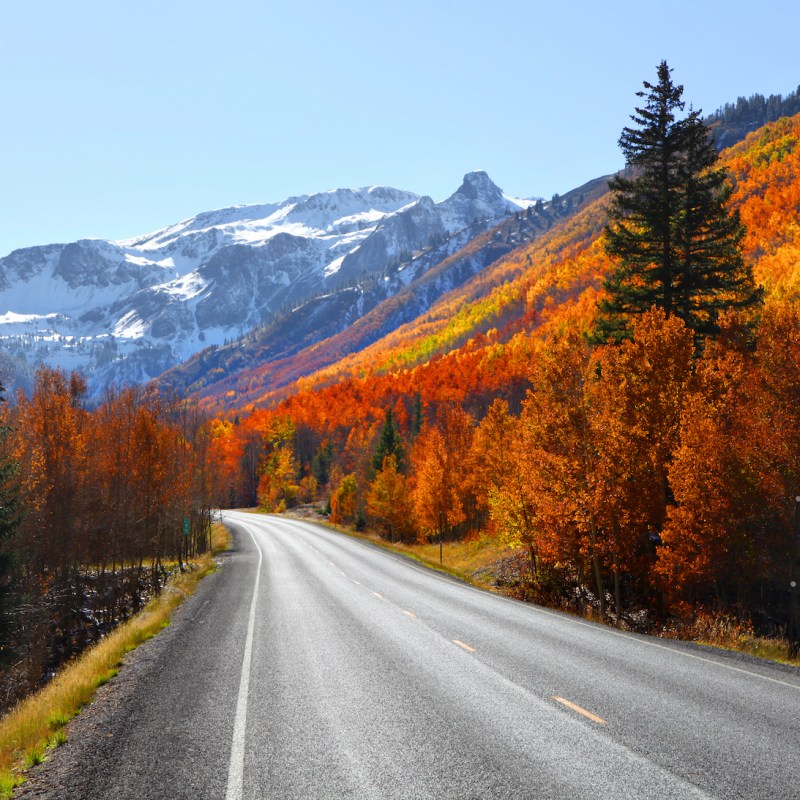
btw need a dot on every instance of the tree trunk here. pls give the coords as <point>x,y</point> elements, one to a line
<point>532,555</point>
<point>617,594</point>
<point>598,574</point>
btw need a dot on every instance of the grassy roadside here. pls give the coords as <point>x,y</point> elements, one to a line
<point>727,633</point>
<point>474,562</point>
<point>469,561</point>
<point>37,723</point>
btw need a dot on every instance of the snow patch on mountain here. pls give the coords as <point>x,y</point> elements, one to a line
<point>126,310</point>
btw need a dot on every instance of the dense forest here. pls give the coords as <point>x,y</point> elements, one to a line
<point>645,481</point>
<point>101,505</point>
<point>733,121</point>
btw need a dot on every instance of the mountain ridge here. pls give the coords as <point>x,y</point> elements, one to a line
<point>479,338</point>
<point>259,360</point>
<point>127,310</point>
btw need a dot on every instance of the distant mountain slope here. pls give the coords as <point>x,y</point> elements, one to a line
<point>126,311</point>
<point>327,328</point>
<point>733,121</point>
<point>480,336</point>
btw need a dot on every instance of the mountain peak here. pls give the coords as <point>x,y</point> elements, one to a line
<point>479,184</point>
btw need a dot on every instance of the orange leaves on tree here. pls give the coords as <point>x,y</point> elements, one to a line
<point>344,501</point>
<point>278,488</point>
<point>737,470</point>
<point>636,406</point>
<point>504,479</point>
<point>442,465</point>
<point>389,502</point>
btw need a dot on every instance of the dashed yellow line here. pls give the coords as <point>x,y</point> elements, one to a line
<point>464,646</point>
<point>574,707</point>
<point>410,614</point>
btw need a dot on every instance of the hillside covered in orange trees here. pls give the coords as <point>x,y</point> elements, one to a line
<point>642,475</point>
<point>558,277</point>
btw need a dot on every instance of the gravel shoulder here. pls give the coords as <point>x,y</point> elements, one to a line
<point>171,685</point>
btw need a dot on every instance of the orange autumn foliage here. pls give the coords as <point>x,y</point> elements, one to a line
<point>644,464</point>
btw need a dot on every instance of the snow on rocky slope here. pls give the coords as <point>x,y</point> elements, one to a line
<point>125,311</point>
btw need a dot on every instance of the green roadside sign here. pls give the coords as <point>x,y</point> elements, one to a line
<point>186,526</point>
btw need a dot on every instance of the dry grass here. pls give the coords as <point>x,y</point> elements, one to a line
<point>463,560</point>
<point>730,633</point>
<point>220,538</point>
<point>36,723</point>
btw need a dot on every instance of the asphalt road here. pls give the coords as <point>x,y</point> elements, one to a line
<point>314,665</point>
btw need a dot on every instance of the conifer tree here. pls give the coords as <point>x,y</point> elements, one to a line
<point>712,272</point>
<point>390,443</point>
<point>417,416</point>
<point>676,245</point>
<point>321,463</point>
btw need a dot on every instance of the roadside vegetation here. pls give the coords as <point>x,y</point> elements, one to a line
<point>99,507</point>
<point>37,724</point>
<point>105,527</point>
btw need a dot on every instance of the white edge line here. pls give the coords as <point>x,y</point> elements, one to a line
<point>236,766</point>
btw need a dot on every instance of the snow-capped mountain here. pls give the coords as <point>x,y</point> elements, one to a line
<point>125,311</point>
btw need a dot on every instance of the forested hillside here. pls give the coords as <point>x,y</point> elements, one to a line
<point>733,121</point>
<point>670,479</point>
<point>270,357</point>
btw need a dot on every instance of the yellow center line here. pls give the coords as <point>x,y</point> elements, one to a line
<point>357,583</point>
<point>574,707</point>
<point>464,646</point>
<point>378,595</point>
<point>410,614</point>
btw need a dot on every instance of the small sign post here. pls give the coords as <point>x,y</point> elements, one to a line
<point>186,526</point>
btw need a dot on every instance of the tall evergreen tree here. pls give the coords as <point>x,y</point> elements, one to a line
<point>712,273</point>
<point>676,244</point>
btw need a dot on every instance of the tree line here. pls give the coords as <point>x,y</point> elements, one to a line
<point>639,477</point>
<point>733,121</point>
<point>100,505</point>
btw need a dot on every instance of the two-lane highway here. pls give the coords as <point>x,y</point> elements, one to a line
<point>334,669</point>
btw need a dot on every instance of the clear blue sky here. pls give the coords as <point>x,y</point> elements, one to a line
<point>119,118</point>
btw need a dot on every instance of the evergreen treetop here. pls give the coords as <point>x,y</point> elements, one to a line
<point>675,243</point>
